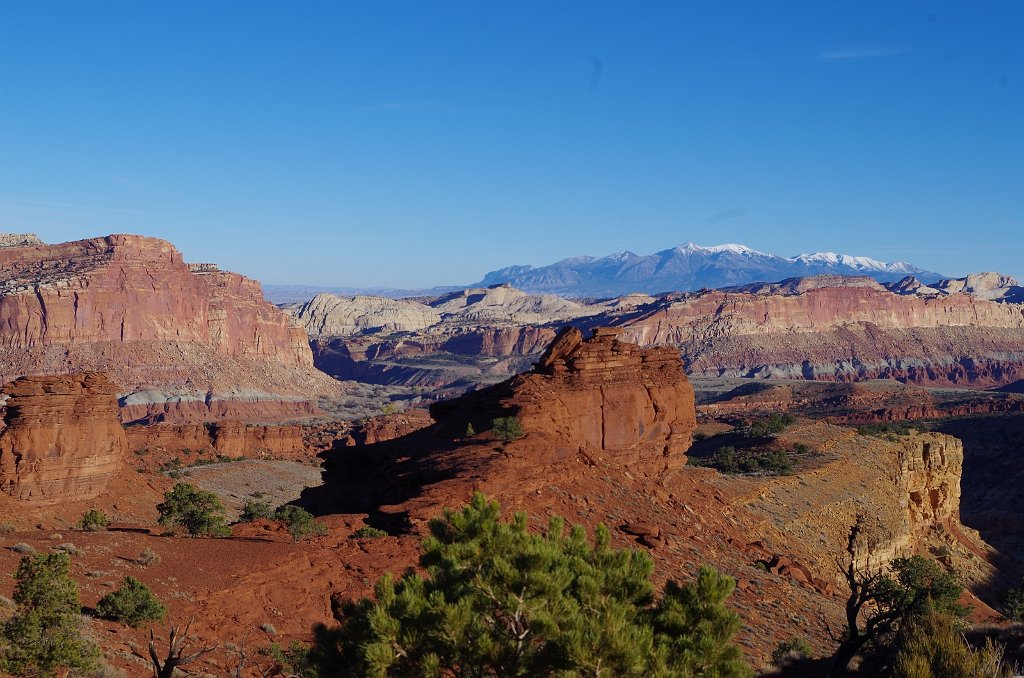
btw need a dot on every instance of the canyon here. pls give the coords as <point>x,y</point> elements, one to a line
<point>129,370</point>
<point>829,328</point>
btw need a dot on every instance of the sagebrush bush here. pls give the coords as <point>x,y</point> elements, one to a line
<point>256,510</point>
<point>789,651</point>
<point>198,511</point>
<point>300,522</point>
<point>148,557</point>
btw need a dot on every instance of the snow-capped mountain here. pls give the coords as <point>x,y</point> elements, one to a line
<point>689,267</point>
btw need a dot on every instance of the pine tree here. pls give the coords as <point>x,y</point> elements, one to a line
<point>44,635</point>
<point>499,600</point>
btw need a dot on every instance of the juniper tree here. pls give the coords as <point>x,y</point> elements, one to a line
<point>500,600</point>
<point>44,636</point>
<point>198,511</point>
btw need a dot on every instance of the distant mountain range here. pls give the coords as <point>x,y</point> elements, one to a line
<point>691,267</point>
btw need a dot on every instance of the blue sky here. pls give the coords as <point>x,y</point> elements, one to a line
<point>413,144</point>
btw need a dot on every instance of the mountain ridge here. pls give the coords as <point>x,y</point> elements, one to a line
<point>688,267</point>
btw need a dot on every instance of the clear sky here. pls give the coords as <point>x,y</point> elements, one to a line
<point>413,143</point>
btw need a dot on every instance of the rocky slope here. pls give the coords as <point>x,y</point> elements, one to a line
<point>130,306</point>
<point>62,440</point>
<point>607,425</point>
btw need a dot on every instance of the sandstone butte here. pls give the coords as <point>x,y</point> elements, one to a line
<point>174,337</point>
<point>62,439</point>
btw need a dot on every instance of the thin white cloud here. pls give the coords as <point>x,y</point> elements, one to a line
<point>861,52</point>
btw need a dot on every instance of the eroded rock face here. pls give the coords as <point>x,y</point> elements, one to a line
<point>601,398</point>
<point>930,467</point>
<point>610,397</point>
<point>838,333</point>
<point>126,288</point>
<point>62,440</point>
<point>129,306</point>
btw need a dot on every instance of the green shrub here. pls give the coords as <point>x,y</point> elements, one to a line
<point>256,510</point>
<point>44,636</point>
<point>294,660</point>
<point>300,522</point>
<point>890,429</point>
<point>499,599</point>
<point>730,460</point>
<point>1014,606</point>
<point>94,521</point>
<point>23,548</point>
<point>131,604</point>
<point>507,429</point>
<point>470,431</point>
<point>198,511</point>
<point>774,424</point>
<point>789,651</point>
<point>368,532</point>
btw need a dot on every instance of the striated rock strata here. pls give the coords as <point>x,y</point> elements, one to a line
<point>128,305</point>
<point>62,440</point>
<point>609,398</point>
<point>841,331</point>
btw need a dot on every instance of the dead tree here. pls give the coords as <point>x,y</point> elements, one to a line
<point>177,641</point>
<point>885,607</point>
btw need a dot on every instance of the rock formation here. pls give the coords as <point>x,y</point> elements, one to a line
<point>129,306</point>
<point>608,398</point>
<point>327,315</point>
<point>62,440</point>
<point>830,328</point>
<point>928,476</point>
<point>19,240</point>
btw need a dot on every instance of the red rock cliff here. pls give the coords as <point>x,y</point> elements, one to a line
<point>125,288</point>
<point>62,440</point>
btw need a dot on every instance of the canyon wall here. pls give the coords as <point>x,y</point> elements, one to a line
<point>191,341</point>
<point>842,333</point>
<point>62,440</point>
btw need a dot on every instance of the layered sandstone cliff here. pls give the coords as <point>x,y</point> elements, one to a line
<point>838,332</point>
<point>62,440</point>
<point>129,306</point>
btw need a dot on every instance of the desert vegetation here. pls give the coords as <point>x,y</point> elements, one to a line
<point>507,429</point>
<point>94,520</point>
<point>199,512</point>
<point>45,636</point>
<point>498,599</point>
<point>131,604</point>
